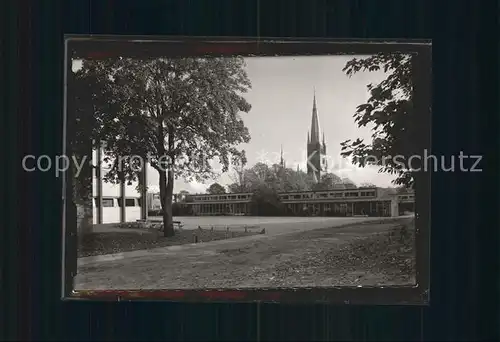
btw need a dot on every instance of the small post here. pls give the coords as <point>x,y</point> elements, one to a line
<point>246,229</point>
<point>232,234</point>
<point>195,238</point>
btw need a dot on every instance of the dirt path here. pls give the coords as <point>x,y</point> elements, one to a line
<point>308,258</point>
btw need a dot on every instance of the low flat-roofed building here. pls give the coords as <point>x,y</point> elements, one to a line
<point>337,202</point>
<point>108,198</point>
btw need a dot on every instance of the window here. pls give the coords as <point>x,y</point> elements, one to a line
<point>323,195</point>
<point>352,194</point>
<point>130,202</point>
<point>296,196</point>
<point>107,202</point>
<point>338,194</point>
<point>285,197</point>
<point>222,197</point>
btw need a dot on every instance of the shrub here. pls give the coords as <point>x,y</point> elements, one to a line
<point>265,202</point>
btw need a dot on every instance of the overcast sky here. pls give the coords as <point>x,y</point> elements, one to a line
<point>281,99</point>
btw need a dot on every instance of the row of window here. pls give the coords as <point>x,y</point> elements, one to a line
<point>307,195</point>
<point>222,197</point>
<point>406,197</point>
<point>109,202</point>
<point>329,195</point>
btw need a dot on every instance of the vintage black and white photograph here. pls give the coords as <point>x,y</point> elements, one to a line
<point>210,172</point>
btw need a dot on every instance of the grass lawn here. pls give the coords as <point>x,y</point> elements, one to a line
<point>379,259</point>
<point>370,254</point>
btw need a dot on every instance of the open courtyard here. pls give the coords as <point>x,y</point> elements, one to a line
<point>272,225</point>
<point>293,252</point>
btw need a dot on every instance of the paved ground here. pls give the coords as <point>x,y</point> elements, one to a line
<point>257,261</point>
<point>273,225</point>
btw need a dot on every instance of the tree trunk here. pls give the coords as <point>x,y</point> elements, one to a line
<point>166,178</point>
<point>166,190</point>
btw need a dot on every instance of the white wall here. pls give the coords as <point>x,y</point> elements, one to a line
<point>112,214</point>
<point>110,189</point>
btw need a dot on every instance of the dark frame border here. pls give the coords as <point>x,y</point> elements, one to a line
<point>102,46</point>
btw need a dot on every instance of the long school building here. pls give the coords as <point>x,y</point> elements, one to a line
<point>342,202</point>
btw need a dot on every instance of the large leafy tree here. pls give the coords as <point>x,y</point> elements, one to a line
<point>90,99</point>
<point>297,180</point>
<point>216,189</point>
<point>389,110</point>
<point>180,113</point>
<point>327,181</point>
<point>250,179</point>
<point>183,196</point>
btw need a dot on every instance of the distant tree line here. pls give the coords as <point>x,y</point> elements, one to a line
<point>265,182</point>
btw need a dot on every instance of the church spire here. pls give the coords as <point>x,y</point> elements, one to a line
<point>314,98</point>
<point>282,161</point>
<point>314,123</point>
